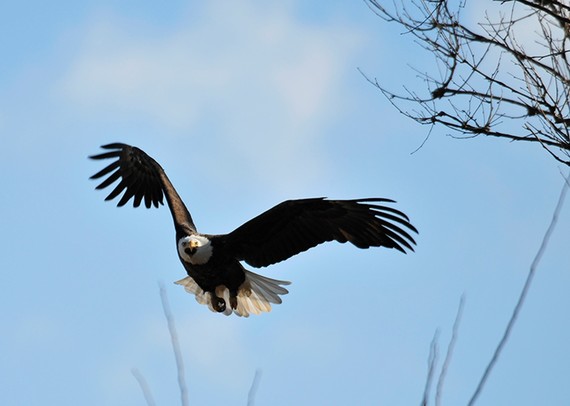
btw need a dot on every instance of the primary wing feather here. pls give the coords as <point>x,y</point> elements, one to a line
<point>295,226</point>
<point>141,178</point>
<point>139,175</point>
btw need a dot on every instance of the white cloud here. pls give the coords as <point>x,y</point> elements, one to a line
<point>267,83</point>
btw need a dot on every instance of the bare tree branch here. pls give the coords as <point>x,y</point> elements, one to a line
<point>144,387</point>
<point>175,346</point>
<point>489,82</point>
<point>253,388</point>
<point>432,363</point>
<point>432,360</point>
<point>523,294</point>
<point>449,353</point>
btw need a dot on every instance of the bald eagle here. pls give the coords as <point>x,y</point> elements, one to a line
<point>216,275</point>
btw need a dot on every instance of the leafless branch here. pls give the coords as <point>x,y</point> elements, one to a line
<point>144,387</point>
<point>175,346</point>
<point>523,294</point>
<point>489,83</point>
<point>449,353</point>
<point>432,359</point>
<point>432,363</point>
<point>253,388</point>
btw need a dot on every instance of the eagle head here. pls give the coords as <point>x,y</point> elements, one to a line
<point>196,249</point>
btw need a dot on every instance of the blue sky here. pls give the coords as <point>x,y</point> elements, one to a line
<point>245,106</point>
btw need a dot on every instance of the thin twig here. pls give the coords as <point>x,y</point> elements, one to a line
<point>432,362</point>
<point>175,346</point>
<point>253,388</point>
<point>523,293</point>
<point>432,359</point>
<point>144,387</point>
<point>449,353</point>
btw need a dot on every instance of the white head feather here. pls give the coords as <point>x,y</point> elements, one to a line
<point>195,249</point>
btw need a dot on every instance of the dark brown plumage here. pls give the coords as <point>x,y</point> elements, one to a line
<point>215,274</point>
<point>295,226</point>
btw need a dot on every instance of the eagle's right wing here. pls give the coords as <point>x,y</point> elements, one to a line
<point>140,177</point>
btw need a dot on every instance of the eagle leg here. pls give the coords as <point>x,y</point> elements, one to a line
<point>233,299</point>
<point>218,304</point>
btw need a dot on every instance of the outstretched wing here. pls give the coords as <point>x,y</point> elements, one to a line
<point>140,177</point>
<point>295,226</point>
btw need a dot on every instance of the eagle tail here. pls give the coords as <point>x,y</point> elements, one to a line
<point>255,295</point>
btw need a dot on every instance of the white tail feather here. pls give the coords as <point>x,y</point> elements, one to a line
<point>255,295</point>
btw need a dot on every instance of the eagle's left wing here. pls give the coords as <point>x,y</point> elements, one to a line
<point>295,226</point>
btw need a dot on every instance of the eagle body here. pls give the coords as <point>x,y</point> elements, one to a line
<point>211,270</point>
<point>214,263</point>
